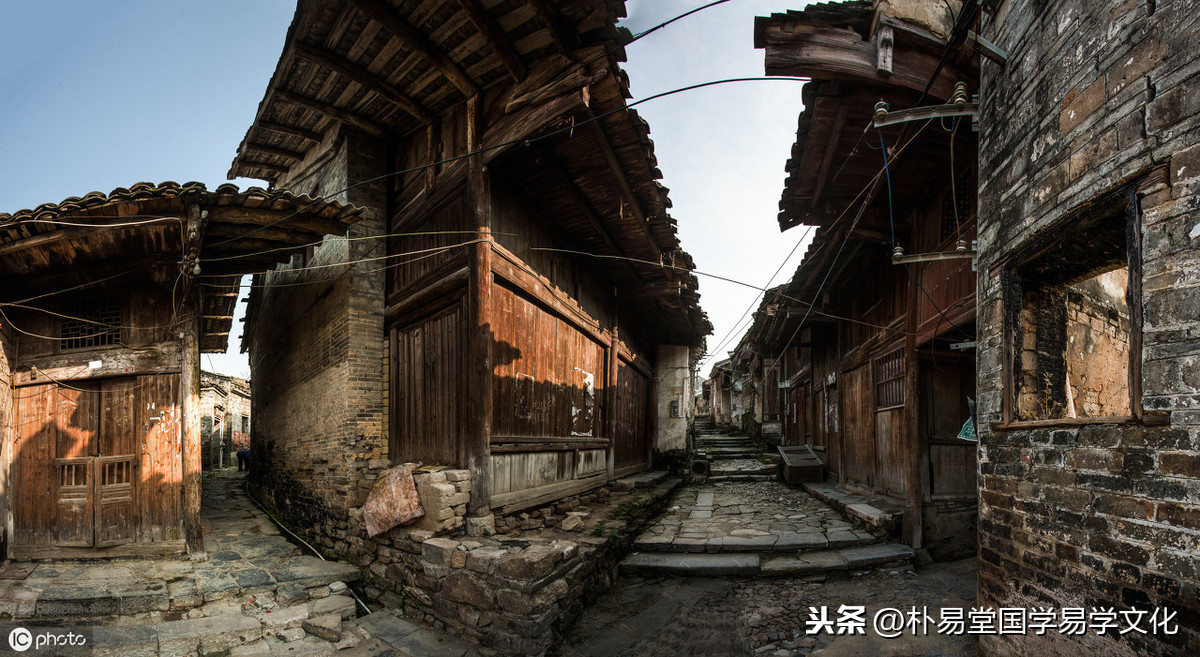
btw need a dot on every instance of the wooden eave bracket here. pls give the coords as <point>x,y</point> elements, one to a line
<point>989,49</point>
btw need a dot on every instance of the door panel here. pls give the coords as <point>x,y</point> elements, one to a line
<point>115,518</point>
<point>74,509</point>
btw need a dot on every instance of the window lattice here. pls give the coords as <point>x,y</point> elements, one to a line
<point>91,323</point>
<point>889,379</point>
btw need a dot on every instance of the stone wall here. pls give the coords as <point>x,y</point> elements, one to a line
<point>514,593</point>
<point>1102,514</point>
<point>316,345</point>
<point>673,393</point>
<point>224,402</point>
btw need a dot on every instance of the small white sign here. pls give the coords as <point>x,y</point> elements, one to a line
<point>95,364</point>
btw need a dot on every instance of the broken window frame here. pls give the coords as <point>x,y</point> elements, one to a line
<point>1125,200</point>
<point>888,373</point>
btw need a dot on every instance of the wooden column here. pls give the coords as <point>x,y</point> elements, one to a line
<point>610,395</point>
<point>478,420</point>
<point>914,488</point>
<point>189,388</point>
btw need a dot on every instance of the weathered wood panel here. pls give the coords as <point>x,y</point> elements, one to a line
<point>891,461</point>
<point>549,376</point>
<point>426,403</point>
<point>158,441</point>
<point>33,464</point>
<point>631,442</point>
<point>857,426</point>
<point>424,248</point>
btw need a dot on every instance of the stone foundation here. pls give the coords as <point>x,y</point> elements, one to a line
<point>515,590</point>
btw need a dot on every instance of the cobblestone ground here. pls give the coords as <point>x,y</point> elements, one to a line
<point>722,616</point>
<point>747,510</point>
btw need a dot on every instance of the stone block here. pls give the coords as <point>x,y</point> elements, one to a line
<point>61,601</point>
<point>462,587</point>
<point>484,559</point>
<point>125,641</point>
<point>438,551</point>
<point>206,635</point>
<point>531,563</point>
<point>291,634</point>
<point>290,594</point>
<point>284,617</point>
<point>328,627</point>
<point>481,525</point>
<point>342,606</point>
<point>457,475</point>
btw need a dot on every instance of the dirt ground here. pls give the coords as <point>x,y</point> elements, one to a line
<point>669,617</point>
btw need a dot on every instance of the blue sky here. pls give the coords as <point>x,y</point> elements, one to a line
<point>99,95</point>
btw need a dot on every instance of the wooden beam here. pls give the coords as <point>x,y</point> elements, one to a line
<point>291,130</point>
<point>495,37</point>
<point>277,168</point>
<point>476,443</point>
<point>189,389</point>
<point>367,79</point>
<point>559,33</point>
<point>619,172</point>
<point>331,111</point>
<point>387,16</point>
<point>827,53</point>
<point>276,151</point>
<point>839,122</point>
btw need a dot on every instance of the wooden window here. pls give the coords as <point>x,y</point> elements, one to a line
<point>889,380</point>
<point>1073,346</point>
<point>90,322</point>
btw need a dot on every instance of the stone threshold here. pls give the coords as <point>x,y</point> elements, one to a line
<point>871,510</point>
<point>753,564</point>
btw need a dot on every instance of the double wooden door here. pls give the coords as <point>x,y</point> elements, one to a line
<point>95,463</point>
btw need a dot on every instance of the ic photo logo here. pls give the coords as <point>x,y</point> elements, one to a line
<point>20,639</point>
<point>56,641</point>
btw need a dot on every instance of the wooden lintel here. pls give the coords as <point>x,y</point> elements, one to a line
<point>494,35</point>
<point>274,150</point>
<point>292,130</point>
<point>387,16</point>
<point>368,80</point>
<point>331,111</point>
<point>446,285</point>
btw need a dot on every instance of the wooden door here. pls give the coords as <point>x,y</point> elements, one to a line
<point>75,465</point>
<point>631,440</point>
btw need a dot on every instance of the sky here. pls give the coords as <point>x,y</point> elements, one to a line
<point>100,95</point>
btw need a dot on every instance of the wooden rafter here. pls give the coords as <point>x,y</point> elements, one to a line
<point>559,32</point>
<point>255,164</point>
<point>274,150</point>
<point>619,172</point>
<point>331,111</point>
<point>368,80</point>
<point>494,35</point>
<point>387,16</point>
<point>291,130</point>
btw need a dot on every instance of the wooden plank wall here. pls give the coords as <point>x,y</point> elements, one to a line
<point>857,426</point>
<point>549,375</point>
<point>631,433</point>
<point>428,361</point>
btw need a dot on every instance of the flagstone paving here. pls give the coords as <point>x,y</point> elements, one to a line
<point>751,516</point>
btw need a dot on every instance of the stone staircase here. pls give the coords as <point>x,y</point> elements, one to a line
<point>733,457</point>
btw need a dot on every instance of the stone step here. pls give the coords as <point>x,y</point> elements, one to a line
<point>834,562</point>
<point>729,452</point>
<point>716,479</point>
<point>742,467</point>
<point>873,512</point>
<point>766,564</point>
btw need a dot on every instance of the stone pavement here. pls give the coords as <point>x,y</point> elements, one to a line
<point>647,617</point>
<point>257,594</point>
<point>751,516</point>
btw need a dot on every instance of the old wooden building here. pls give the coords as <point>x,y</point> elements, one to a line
<point>224,418</point>
<point>866,337</point>
<point>516,301</point>
<point>106,304</point>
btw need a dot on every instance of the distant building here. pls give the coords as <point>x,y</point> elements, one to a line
<point>224,418</point>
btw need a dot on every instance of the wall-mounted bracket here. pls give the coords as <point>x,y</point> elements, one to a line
<point>927,112</point>
<point>989,49</point>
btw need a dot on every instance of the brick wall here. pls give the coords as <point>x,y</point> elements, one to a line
<point>1101,515</point>
<point>316,350</point>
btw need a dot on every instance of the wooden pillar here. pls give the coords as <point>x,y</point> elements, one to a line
<point>914,486</point>
<point>610,393</point>
<point>189,388</point>
<point>479,377</point>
